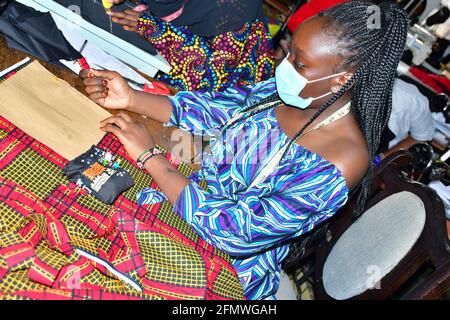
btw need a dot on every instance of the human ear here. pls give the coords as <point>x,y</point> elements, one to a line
<point>341,81</point>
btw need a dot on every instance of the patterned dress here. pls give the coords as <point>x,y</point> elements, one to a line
<point>235,58</point>
<point>251,223</point>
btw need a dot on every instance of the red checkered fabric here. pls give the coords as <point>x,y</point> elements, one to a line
<point>58,242</point>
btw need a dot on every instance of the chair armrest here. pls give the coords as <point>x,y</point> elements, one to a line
<point>434,286</point>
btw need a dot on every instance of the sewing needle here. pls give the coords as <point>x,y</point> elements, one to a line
<point>83,46</point>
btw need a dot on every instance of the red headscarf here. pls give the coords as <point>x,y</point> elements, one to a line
<point>310,9</point>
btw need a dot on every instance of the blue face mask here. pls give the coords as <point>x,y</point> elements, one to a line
<point>290,83</point>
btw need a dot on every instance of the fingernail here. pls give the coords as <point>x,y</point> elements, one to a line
<point>114,19</point>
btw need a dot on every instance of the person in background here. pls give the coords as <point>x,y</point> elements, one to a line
<point>210,45</point>
<point>285,152</point>
<point>410,121</point>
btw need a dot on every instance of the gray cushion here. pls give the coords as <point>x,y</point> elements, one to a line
<point>374,245</point>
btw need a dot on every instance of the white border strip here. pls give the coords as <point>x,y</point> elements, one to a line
<point>17,65</point>
<point>110,269</point>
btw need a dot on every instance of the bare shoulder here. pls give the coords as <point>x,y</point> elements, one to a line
<point>351,157</point>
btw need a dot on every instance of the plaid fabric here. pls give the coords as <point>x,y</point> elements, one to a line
<point>45,220</point>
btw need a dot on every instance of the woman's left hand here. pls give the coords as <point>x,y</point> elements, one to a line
<point>127,18</point>
<point>132,134</point>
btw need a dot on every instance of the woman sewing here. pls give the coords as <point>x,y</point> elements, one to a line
<point>285,152</point>
<point>210,45</point>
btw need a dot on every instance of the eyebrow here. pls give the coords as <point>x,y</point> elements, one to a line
<point>300,52</point>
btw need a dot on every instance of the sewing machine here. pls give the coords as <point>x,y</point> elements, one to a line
<point>419,41</point>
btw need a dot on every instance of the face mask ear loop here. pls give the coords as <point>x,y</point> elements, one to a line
<point>324,95</point>
<point>330,92</point>
<point>328,77</point>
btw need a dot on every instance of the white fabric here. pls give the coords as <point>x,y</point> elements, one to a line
<point>410,114</point>
<point>286,289</point>
<point>444,193</point>
<point>374,245</point>
<point>440,124</point>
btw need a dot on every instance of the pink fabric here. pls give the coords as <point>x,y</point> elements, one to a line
<point>174,15</point>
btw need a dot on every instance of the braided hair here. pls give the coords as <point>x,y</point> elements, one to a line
<point>374,52</point>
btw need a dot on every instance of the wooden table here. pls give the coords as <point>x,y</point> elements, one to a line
<point>161,135</point>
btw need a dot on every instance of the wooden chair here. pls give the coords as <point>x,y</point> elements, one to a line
<point>399,243</point>
<point>300,260</point>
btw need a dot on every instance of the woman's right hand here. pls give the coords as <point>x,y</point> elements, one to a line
<point>107,88</point>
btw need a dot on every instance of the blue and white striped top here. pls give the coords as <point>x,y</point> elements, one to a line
<point>252,223</point>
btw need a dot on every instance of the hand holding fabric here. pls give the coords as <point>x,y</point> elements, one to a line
<point>107,88</point>
<point>132,134</point>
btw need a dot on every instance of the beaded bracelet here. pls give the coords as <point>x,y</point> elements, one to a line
<point>147,155</point>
